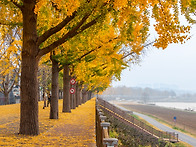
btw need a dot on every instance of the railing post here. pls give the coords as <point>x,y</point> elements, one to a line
<point>169,136</point>
<point>103,118</point>
<point>133,120</point>
<point>110,142</point>
<point>160,134</point>
<point>98,129</point>
<point>105,132</point>
<point>177,137</point>
<point>100,113</point>
<point>105,126</point>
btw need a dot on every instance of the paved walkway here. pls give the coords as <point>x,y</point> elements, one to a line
<point>75,129</point>
<point>81,133</point>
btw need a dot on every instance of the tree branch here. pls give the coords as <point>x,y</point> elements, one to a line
<point>71,33</point>
<point>131,53</point>
<point>87,53</point>
<point>11,87</point>
<point>1,89</point>
<point>125,56</point>
<point>86,26</point>
<point>17,5</point>
<point>3,84</point>
<point>62,40</point>
<point>80,58</point>
<point>11,24</point>
<point>55,29</point>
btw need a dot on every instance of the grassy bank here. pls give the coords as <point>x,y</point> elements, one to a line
<point>131,137</point>
<point>184,121</point>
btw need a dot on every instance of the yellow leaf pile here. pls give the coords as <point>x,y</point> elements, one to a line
<point>72,129</point>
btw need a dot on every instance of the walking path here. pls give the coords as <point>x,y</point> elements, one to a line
<point>183,137</point>
<point>75,129</point>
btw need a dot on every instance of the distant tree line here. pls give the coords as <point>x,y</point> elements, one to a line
<point>137,91</point>
<point>146,94</point>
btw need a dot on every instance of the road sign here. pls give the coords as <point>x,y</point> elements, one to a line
<point>72,90</point>
<point>72,81</point>
<point>175,118</point>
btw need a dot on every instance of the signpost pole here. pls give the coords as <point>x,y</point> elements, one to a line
<point>72,91</point>
<point>175,118</point>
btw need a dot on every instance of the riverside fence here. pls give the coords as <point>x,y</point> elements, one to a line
<point>125,117</point>
<point>102,131</point>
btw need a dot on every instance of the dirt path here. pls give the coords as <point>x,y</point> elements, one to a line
<point>184,120</point>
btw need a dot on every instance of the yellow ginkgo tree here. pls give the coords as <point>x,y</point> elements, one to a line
<point>72,52</point>
<point>10,60</point>
<point>47,24</point>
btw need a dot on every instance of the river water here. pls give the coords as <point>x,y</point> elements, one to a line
<point>178,105</point>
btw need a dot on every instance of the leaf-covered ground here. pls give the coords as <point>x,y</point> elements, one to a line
<point>73,129</point>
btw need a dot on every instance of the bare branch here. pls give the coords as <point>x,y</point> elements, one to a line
<point>131,53</point>
<point>11,87</point>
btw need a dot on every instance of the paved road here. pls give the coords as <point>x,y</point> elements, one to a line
<point>183,137</point>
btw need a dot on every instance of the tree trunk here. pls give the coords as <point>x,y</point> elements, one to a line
<point>38,92</point>
<point>74,97</point>
<point>7,87</point>
<point>6,94</point>
<point>77,95</point>
<point>29,99</point>
<point>55,91</point>
<point>44,88</point>
<point>44,99</point>
<point>61,94</point>
<point>89,95</point>
<point>29,83</point>
<point>80,95</point>
<point>71,98</point>
<point>84,94</point>
<point>66,88</point>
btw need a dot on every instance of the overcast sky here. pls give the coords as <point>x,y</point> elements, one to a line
<point>175,67</point>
